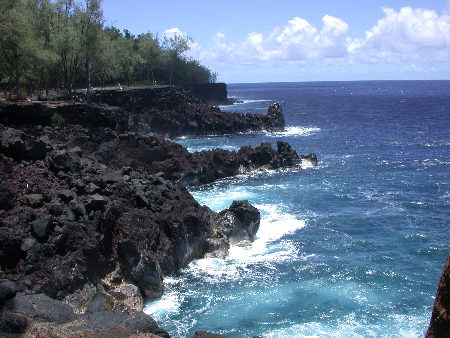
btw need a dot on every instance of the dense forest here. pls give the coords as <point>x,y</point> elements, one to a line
<point>65,45</point>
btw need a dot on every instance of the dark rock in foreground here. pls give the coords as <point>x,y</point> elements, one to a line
<point>94,214</point>
<point>8,290</point>
<point>42,316</point>
<point>440,317</point>
<point>114,199</point>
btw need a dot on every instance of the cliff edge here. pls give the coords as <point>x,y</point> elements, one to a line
<point>440,317</point>
<point>94,214</point>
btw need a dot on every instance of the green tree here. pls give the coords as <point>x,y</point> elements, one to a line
<point>150,54</point>
<point>91,20</point>
<point>126,59</point>
<point>19,49</point>
<point>47,60</point>
<point>66,41</point>
<point>174,46</point>
<point>62,43</point>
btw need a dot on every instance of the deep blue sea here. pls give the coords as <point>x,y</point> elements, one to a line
<point>351,248</point>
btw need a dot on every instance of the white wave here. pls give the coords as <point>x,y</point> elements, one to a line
<point>276,223</point>
<point>355,325</point>
<point>295,131</point>
<point>193,149</point>
<point>307,164</point>
<point>436,144</point>
<point>221,199</point>
<point>241,102</point>
<point>170,302</point>
<point>216,270</point>
<point>268,248</point>
<point>429,162</point>
<point>254,101</point>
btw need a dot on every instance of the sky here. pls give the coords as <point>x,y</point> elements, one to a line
<point>301,40</point>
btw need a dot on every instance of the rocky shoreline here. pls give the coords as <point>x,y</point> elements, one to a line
<point>94,213</point>
<point>166,111</point>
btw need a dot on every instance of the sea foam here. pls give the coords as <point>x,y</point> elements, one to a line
<point>267,249</point>
<point>295,131</point>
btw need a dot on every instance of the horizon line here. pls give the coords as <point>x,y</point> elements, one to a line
<point>312,81</point>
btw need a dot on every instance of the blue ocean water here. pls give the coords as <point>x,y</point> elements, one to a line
<point>351,248</point>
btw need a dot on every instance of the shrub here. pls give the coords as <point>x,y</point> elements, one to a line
<point>57,120</point>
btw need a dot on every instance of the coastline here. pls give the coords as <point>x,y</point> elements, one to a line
<point>63,134</point>
<point>100,211</point>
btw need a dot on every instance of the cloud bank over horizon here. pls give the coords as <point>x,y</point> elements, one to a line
<point>416,37</point>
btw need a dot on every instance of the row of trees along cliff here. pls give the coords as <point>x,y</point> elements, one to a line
<point>64,44</point>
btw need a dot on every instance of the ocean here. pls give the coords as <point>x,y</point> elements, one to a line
<point>351,248</point>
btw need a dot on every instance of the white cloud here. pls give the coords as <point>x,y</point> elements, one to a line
<point>173,31</point>
<point>255,38</point>
<point>298,41</point>
<point>409,36</point>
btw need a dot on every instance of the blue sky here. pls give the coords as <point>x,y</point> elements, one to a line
<point>287,40</point>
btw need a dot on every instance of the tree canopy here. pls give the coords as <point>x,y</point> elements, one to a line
<point>64,44</point>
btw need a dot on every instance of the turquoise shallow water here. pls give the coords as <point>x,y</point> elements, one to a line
<point>351,248</point>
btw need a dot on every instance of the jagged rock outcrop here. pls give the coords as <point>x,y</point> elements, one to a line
<point>14,144</point>
<point>42,316</point>
<point>95,214</point>
<point>440,317</point>
<point>169,111</point>
<point>158,155</point>
<point>107,210</point>
<point>94,205</point>
<point>239,222</point>
<point>173,111</point>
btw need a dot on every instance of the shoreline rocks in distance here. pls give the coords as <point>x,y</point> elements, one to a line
<point>173,111</point>
<point>167,111</point>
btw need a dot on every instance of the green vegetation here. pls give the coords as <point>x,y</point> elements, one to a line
<point>63,44</point>
<point>57,120</point>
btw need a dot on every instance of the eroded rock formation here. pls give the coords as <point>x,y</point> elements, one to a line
<point>94,214</point>
<point>168,111</point>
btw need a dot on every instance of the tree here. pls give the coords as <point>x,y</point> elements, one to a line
<point>66,41</point>
<point>62,43</point>
<point>19,50</point>
<point>150,53</point>
<point>174,46</point>
<point>47,60</point>
<point>91,18</point>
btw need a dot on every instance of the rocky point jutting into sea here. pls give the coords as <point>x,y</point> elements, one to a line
<point>95,212</point>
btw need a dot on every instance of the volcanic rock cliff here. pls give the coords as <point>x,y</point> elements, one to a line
<point>174,111</point>
<point>168,111</point>
<point>93,214</point>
